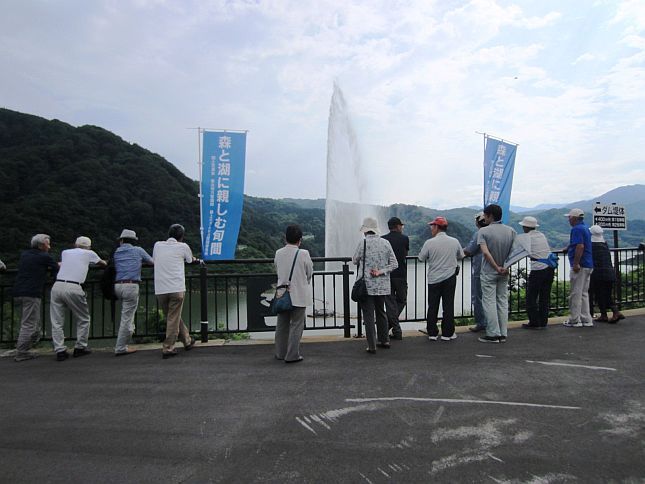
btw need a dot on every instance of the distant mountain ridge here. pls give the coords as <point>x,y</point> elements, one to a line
<point>632,197</point>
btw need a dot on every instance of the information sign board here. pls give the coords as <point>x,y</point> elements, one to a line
<point>610,216</point>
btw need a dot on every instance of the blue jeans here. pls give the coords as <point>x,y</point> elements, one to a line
<point>495,302</point>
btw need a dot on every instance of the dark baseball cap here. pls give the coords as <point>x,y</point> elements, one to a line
<point>393,222</point>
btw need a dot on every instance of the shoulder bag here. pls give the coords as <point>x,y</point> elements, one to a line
<point>359,291</point>
<point>281,302</point>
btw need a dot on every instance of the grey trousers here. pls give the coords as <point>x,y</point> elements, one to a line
<point>128,294</point>
<point>29,323</point>
<point>71,296</point>
<point>374,308</point>
<point>495,301</point>
<point>288,333</point>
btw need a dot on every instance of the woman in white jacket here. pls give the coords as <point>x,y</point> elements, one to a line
<point>290,324</point>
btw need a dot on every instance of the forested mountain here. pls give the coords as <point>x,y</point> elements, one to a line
<point>67,181</point>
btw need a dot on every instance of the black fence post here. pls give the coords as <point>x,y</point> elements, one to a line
<point>346,321</point>
<point>203,289</point>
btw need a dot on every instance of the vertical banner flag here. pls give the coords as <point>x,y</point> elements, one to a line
<point>222,192</point>
<point>499,162</point>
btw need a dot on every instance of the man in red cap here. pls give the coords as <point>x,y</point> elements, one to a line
<point>443,254</point>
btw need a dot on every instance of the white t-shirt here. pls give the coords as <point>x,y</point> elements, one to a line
<point>169,257</point>
<point>74,264</point>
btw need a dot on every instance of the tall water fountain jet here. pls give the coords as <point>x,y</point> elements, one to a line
<point>347,201</point>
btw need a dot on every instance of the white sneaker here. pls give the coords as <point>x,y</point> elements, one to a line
<point>572,324</point>
<point>448,338</point>
<point>433,338</point>
<point>587,324</point>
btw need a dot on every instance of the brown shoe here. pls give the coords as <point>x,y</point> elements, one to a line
<point>129,351</point>
<point>190,345</point>
<point>616,317</point>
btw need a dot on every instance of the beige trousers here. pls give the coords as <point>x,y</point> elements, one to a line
<point>171,305</point>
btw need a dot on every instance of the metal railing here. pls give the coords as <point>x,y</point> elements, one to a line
<point>227,297</point>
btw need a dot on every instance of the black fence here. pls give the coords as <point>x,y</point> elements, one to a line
<point>232,297</point>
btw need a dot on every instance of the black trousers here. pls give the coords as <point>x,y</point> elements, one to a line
<point>443,292</point>
<point>538,296</point>
<point>600,292</point>
<point>395,302</point>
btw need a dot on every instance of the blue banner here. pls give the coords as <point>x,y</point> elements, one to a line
<point>499,163</point>
<point>222,191</point>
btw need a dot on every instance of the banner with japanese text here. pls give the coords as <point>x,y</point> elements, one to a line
<point>222,191</point>
<point>499,163</point>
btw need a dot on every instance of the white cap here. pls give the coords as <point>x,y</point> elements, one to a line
<point>83,242</point>
<point>529,222</point>
<point>596,233</point>
<point>575,212</point>
<point>369,225</point>
<point>128,234</point>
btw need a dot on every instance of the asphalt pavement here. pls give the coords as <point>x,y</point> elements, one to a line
<point>552,406</point>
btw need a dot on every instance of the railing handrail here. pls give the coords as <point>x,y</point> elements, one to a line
<point>231,294</point>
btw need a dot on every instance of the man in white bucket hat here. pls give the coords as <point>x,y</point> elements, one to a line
<point>128,259</point>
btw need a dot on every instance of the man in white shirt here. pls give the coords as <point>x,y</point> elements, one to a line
<point>68,293</point>
<point>442,253</point>
<point>538,290</point>
<point>169,257</point>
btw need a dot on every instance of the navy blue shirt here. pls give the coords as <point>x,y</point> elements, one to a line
<point>401,246</point>
<point>32,273</point>
<point>580,235</point>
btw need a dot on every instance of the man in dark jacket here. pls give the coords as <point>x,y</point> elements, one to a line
<point>395,302</point>
<point>28,292</point>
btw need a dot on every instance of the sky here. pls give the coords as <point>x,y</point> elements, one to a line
<point>564,80</point>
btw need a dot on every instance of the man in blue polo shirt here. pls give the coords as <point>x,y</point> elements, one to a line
<point>128,259</point>
<point>581,261</point>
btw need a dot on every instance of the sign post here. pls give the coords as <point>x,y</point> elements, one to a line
<point>612,217</point>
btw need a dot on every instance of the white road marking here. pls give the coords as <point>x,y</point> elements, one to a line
<point>495,458</point>
<point>438,414</point>
<point>316,418</point>
<point>411,381</point>
<point>365,477</point>
<point>382,472</point>
<point>552,363</point>
<point>484,356</point>
<point>304,424</point>
<point>456,400</point>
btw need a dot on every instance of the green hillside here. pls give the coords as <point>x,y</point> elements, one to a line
<point>67,181</point>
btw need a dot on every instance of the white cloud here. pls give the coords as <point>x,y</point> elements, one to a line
<point>586,57</point>
<point>420,77</point>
